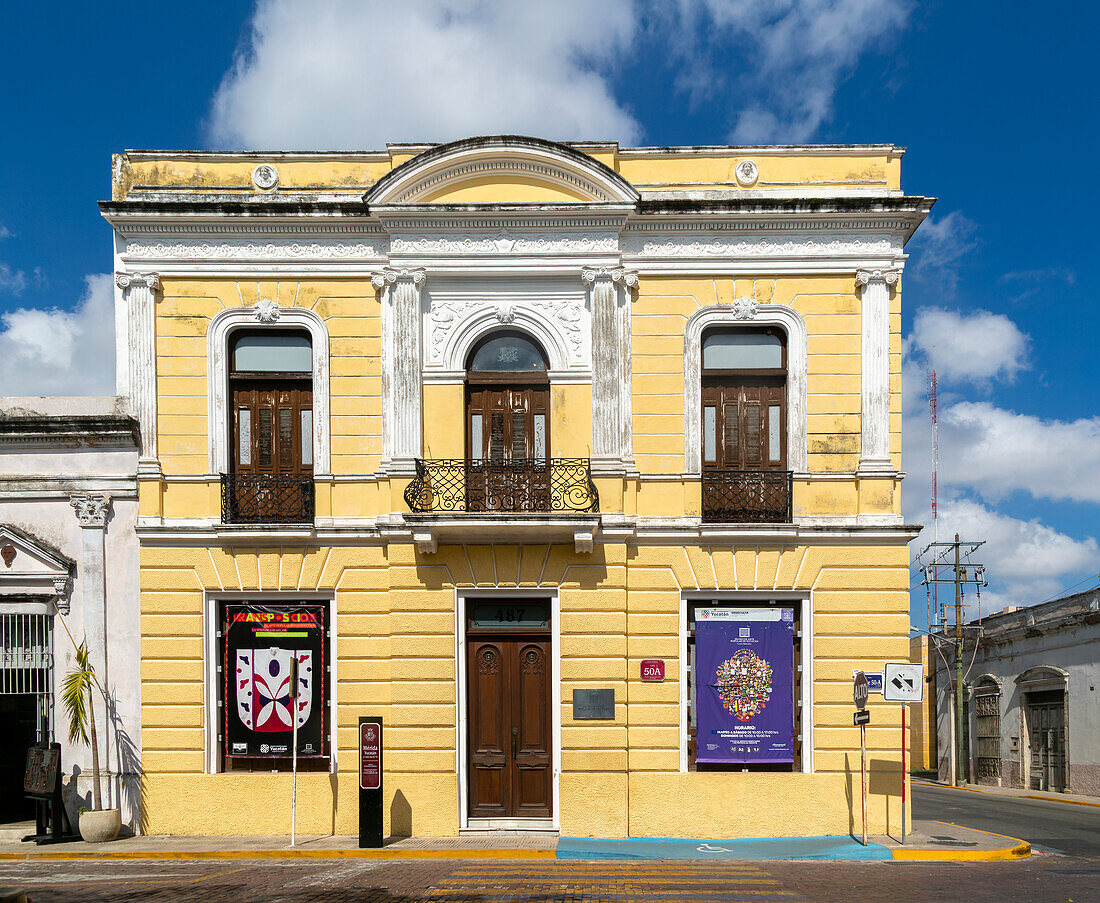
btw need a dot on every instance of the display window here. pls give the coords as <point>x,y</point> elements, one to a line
<point>261,646</point>
<point>744,686</point>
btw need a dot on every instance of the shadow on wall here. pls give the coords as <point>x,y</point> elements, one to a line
<point>401,816</point>
<point>495,571</point>
<point>129,792</point>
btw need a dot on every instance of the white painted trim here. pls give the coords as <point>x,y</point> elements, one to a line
<point>210,601</point>
<point>486,321</point>
<point>806,682</point>
<point>217,380</point>
<point>788,319</point>
<point>461,701</point>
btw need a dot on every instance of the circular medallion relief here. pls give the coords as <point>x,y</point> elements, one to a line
<point>747,172</point>
<point>265,176</point>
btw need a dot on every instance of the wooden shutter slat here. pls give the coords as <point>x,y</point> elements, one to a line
<point>731,428</point>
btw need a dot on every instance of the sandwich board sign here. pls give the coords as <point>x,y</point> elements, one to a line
<point>902,682</point>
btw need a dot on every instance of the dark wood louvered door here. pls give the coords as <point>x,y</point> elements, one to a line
<point>510,740</point>
<point>508,447</point>
<point>747,425</point>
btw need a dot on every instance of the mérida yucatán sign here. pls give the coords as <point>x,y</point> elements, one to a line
<point>260,644</point>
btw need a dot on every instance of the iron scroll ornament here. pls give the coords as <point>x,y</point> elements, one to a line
<point>556,485</point>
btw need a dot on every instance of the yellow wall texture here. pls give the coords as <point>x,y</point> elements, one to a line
<point>395,656</point>
<point>922,732</point>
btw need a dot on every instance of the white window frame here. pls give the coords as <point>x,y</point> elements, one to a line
<point>212,758</point>
<point>806,679</point>
<point>729,316</point>
<point>218,337</point>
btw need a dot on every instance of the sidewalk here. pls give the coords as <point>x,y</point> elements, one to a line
<point>929,841</point>
<point>1076,798</point>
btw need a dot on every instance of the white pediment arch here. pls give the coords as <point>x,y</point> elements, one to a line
<point>30,567</point>
<point>575,176</point>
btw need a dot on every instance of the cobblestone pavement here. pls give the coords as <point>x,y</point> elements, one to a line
<point>1044,878</point>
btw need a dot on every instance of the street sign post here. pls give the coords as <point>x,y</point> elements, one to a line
<point>860,691</point>
<point>903,682</point>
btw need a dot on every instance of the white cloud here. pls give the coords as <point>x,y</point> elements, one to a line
<point>938,249</point>
<point>791,56</point>
<point>1027,560</point>
<point>969,346</point>
<point>13,281</point>
<point>353,74</point>
<point>57,352</point>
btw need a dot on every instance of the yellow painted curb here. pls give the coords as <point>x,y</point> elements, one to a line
<point>1012,796</point>
<point>1019,850</point>
<point>284,854</point>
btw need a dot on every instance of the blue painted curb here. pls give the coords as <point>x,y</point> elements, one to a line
<point>743,848</point>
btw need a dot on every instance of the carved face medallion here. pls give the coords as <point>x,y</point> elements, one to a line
<point>8,554</point>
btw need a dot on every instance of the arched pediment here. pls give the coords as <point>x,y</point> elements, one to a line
<point>503,169</point>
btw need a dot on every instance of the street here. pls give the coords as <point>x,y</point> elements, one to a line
<point>1065,867</point>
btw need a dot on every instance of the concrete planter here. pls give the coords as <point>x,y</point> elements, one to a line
<point>100,826</point>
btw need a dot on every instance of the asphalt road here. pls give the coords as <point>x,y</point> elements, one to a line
<point>1050,827</point>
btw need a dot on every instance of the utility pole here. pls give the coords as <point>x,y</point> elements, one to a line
<point>933,557</point>
<point>960,759</point>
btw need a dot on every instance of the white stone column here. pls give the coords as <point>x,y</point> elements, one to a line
<point>875,408</point>
<point>612,423</point>
<point>91,514</point>
<point>141,367</point>
<point>401,366</point>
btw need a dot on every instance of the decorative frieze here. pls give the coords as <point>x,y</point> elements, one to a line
<point>505,242</point>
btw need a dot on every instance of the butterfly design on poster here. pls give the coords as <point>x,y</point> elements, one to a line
<point>263,688</point>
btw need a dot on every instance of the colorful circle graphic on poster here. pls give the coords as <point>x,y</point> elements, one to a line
<point>744,684</point>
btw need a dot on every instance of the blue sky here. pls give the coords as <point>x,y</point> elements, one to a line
<point>989,98</point>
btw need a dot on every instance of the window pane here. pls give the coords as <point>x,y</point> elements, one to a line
<point>774,443</point>
<point>540,437</point>
<point>742,350</point>
<point>244,436</point>
<point>307,438</point>
<point>508,352</point>
<point>273,352</point>
<point>710,434</point>
<point>476,426</point>
<point>286,437</point>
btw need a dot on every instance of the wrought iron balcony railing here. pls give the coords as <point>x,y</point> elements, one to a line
<point>556,485</point>
<point>267,498</point>
<point>747,496</point>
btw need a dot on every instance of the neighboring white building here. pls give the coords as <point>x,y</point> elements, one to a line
<point>1031,697</point>
<point>69,553</point>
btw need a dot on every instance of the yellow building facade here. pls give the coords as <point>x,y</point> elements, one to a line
<point>506,418</point>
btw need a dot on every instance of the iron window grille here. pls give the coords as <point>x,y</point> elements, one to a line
<point>267,498</point>
<point>747,496</point>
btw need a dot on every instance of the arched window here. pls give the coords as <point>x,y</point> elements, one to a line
<point>507,399</point>
<point>744,395</point>
<point>271,453</point>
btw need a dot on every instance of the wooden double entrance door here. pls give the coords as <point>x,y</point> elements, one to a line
<point>510,739</point>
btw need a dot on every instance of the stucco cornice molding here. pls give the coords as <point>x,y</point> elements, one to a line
<point>504,241</point>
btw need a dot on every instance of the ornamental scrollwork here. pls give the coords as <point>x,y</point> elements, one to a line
<point>91,510</point>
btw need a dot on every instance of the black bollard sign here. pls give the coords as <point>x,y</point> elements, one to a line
<point>370,783</point>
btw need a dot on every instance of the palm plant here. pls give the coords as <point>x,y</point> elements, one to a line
<point>76,694</point>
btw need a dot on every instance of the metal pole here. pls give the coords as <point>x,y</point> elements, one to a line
<point>959,761</point>
<point>863,775</point>
<point>904,706</point>
<point>294,742</point>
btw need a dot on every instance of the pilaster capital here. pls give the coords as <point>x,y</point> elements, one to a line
<point>617,275</point>
<point>150,281</point>
<point>91,510</point>
<point>883,277</point>
<point>392,275</point>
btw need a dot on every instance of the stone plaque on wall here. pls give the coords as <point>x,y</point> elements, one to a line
<point>593,705</point>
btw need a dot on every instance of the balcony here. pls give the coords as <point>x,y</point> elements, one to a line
<point>265,498</point>
<point>747,496</point>
<point>480,485</point>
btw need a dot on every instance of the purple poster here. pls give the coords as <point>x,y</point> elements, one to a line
<point>744,689</point>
